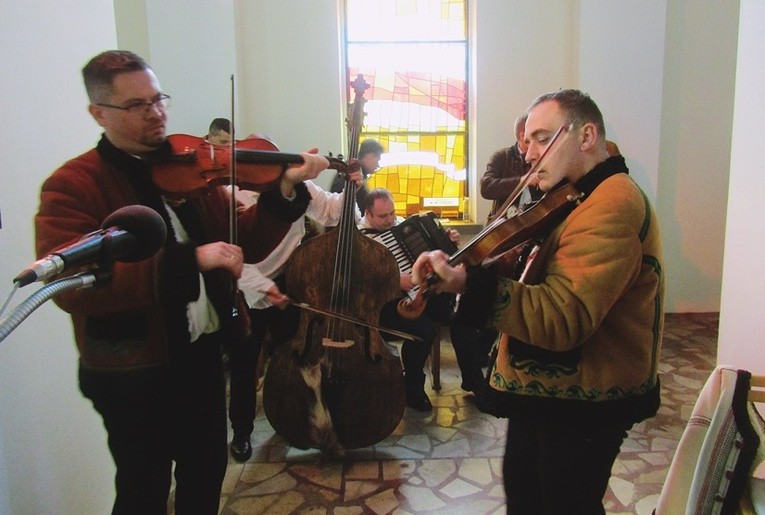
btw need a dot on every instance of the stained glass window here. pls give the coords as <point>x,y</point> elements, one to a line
<point>413,54</point>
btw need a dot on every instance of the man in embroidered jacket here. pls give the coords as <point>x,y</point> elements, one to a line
<point>577,365</point>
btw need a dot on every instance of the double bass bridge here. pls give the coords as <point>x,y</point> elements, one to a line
<point>330,342</point>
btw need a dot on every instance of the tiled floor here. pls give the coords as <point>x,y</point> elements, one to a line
<point>450,461</point>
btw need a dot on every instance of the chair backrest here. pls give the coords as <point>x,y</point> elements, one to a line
<point>712,463</point>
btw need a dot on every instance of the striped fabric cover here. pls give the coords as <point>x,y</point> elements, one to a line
<point>714,457</point>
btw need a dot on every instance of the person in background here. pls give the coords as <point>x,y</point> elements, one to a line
<point>370,152</point>
<point>577,363</point>
<point>148,339</point>
<point>379,217</point>
<point>504,171</point>
<point>219,132</point>
<point>262,284</point>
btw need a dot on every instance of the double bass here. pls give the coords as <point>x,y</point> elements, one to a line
<point>335,386</point>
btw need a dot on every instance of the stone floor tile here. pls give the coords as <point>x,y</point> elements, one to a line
<point>450,461</point>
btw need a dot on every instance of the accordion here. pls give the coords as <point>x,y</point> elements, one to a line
<point>415,235</point>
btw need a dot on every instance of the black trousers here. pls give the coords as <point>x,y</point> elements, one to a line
<point>414,354</point>
<point>471,348</point>
<point>559,467</point>
<point>282,324</point>
<point>156,416</point>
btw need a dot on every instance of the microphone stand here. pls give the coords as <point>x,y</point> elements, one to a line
<point>76,282</point>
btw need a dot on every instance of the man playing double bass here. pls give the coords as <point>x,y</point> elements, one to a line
<point>577,365</point>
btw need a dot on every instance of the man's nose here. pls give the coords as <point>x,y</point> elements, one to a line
<point>154,110</point>
<point>532,153</point>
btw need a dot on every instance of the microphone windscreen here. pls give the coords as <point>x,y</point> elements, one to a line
<point>145,224</point>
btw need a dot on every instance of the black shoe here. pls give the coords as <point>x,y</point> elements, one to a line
<point>419,401</point>
<point>241,449</point>
<point>473,384</point>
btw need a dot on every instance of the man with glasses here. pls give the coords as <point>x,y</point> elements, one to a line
<point>577,363</point>
<point>149,339</point>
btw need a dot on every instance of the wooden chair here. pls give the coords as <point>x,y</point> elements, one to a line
<point>756,389</point>
<point>435,360</point>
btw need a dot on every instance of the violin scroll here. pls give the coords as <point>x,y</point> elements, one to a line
<point>412,309</point>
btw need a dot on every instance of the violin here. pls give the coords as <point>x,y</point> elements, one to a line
<point>194,165</point>
<point>503,234</point>
<point>501,237</point>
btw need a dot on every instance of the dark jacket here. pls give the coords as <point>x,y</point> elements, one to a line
<point>134,320</point>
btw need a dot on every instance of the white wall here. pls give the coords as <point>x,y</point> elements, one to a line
<point>512,65</point>
<point>697,116</point>
<point>741,330</point>
<point>289,71</point>
<point>625,78</point>
<point>53,456</point>
<point>192,51</point>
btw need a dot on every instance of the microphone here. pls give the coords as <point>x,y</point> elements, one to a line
<point>131,233</point>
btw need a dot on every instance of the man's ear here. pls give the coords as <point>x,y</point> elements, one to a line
<point>589,136</point>
<point>97,112</point>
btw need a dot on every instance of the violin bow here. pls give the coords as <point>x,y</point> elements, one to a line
<point>233,229</point>
<point>233,236</point>
<point>511,199</point>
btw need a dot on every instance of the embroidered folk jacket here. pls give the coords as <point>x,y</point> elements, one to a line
<point>584,339</point>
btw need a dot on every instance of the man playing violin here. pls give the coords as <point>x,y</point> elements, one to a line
<point>577,364</point>
<point>149,339</point>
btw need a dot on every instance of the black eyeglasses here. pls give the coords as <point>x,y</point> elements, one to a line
<point>161,102</point>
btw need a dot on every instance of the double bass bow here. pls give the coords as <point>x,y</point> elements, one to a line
<point>335,386</point>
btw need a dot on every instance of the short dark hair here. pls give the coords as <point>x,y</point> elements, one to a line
<point>578,106</point>
<point>370,146</point>
<point>520,123</point>
<point>98,75</point>
<point>374,194</point>
<point>220,124</point>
